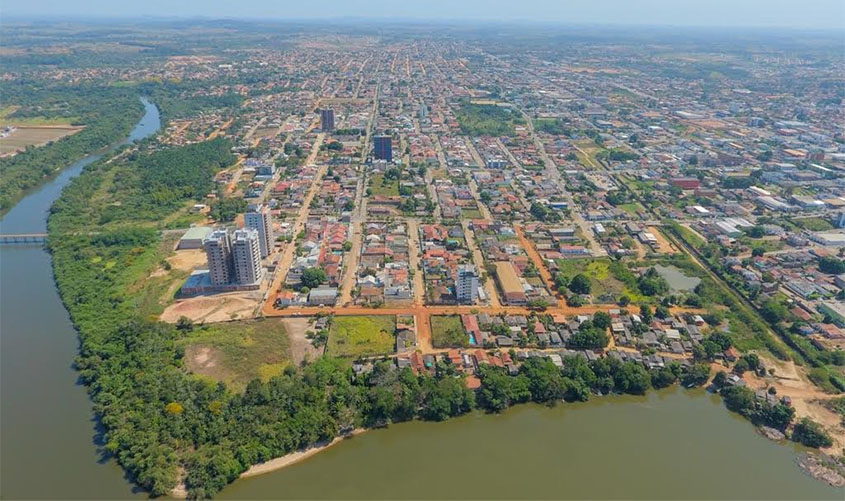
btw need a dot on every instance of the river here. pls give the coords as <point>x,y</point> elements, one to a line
<point>49,438</point>
<point>671,444</point>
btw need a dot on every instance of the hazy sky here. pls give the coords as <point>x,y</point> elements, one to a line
<point>795,13</point>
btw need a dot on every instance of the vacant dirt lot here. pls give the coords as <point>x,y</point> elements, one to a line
<point>300,346</point>
<point>187,259</point>
<point>205,361</point>
<point>216,308</point>
<point>663,245</point>
<point>22,137</point>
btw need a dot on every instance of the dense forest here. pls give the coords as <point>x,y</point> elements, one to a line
<point>159,420</point>
<point>107,113</point>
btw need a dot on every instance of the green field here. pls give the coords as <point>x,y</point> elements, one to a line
<point>379,186</point>
<point>237,352</point>
<point>813,224</point>
<point>487,120</point>
<point>448,332</point>
<point>602,279</point>
<point>471,214</point>
<point>360,336</point>
<point>632,208</point>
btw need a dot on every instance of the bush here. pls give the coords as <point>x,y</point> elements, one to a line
<point>811,434</point>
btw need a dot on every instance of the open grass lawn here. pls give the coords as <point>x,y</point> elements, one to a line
<point>448,332</point>
<point>378,186</point>
<point>237,352</point>
<point>471,214</point>
<point>632,208</point>
<point>356,336</point>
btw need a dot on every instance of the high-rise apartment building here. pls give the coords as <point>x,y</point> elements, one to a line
<point>261,221</point>
<point>327,119</point>
<point>246,254</point>
<point>466,284</point>
<point>218,251</point>
<point>383,148</point>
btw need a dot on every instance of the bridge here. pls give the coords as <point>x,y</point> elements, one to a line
<point>23,238</point>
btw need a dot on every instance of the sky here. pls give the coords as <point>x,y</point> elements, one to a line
<point>821,14</point>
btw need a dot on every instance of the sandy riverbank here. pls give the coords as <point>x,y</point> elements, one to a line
<point>295,457</point>
<point>181,492</point>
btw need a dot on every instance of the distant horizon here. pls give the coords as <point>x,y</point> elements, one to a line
<point>823,15</point>
<point>147,18</point>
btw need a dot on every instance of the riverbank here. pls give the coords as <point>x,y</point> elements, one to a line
<point>295,457</point>
<point>181,492</point>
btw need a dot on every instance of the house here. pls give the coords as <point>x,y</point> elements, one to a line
<point>406,340</point>
<point>322,296</point>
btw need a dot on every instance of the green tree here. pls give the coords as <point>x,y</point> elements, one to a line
<point>313,277</point>
<point>811,434</point>
<point>580,284</point>
<point>601,320</point>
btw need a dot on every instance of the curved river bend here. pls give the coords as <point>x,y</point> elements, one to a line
<point>672,444</point>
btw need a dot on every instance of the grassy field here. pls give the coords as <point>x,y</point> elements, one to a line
<point>602,280</point>
<point>471,214</point>
<point>632,208</point>
<point>237,352</point>
<point>813,224</point>
<point>378,186</point>
<point>5,119</point>
<point>487,120</point>
<point>448,332</point>
<point>589,149</point>
<point>364,335</point>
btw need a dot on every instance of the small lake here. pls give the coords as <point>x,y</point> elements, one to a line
<point>677,280</point>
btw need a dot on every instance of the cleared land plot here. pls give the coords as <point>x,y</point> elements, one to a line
<point>301,348</point>
<point>237,352</point>
<point>448,332</point>
<point>587,151</point>
<point>356,336</point>
<point>663,245</point>
<point>214,307</point>
<point>21,137</point>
